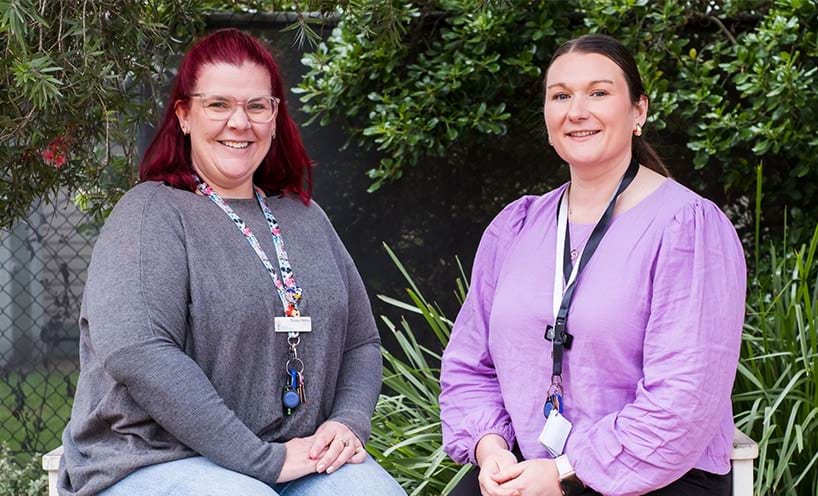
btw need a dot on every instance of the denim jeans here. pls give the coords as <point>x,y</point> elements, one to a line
<point>198,476</point>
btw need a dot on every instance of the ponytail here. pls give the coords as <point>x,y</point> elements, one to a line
<point>648,157</point>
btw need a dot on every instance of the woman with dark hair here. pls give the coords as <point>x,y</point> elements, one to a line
<point>598,345</point>
<point>227,343</point>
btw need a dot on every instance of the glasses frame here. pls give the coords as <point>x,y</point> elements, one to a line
<point>237,103</point>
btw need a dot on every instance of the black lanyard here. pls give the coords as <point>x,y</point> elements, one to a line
<point>558,333</point>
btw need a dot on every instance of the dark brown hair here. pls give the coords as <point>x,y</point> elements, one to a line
<point>619,55</point>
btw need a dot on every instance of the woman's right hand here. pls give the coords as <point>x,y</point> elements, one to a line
<point>297,462</point>
<point>493,455</point>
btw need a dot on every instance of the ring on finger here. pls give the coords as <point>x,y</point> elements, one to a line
<point>346,442</point>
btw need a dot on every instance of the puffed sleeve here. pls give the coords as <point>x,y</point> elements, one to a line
<point>136,301</point>
<point>691,349</point>
<point>471,404</point>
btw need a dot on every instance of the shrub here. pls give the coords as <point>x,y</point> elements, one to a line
<point>27,479</point>
<point>731,83</point>
<point>406,438</point>
<point>776,393</point>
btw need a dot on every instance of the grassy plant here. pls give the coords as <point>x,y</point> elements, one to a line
<point>406,438</point>
<point>777,386</point>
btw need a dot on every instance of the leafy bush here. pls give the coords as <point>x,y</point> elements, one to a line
<point>776,394</point>
<point>732,83</point>
<point>16,479</point>
<point>77,80</point>
<point>406,438</point>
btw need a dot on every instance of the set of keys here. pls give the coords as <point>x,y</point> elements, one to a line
<point>554,401</point>
<point>295,391</point>
<point>556,429</point>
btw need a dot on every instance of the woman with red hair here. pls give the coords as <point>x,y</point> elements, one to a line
<point>227,343</point>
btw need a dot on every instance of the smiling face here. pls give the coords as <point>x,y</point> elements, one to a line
<point>225,153</point>
<point>589,114</point>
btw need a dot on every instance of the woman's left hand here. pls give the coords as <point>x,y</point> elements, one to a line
<point>336,445</point>
<point>537,477</point>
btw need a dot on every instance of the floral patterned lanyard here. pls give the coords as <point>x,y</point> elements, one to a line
<point>288,291</point>
<point>294,391</point>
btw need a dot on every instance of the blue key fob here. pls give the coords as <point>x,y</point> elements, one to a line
<point>290,398</point>
<point>546,409</point>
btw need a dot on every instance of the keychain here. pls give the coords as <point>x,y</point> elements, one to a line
<point>554,401</point>
<point>557,428</point>
<point>294,393</point>
<point>290,397</point>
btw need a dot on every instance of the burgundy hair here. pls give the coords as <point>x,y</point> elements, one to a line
<point>286,166</point>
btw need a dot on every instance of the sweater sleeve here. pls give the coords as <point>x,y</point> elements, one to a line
<point>471,403</point>
<point>360,377</point>
<point>137,311</point>
<point>691,350</point>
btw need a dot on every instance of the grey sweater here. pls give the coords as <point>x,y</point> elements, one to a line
<point>177,351</point>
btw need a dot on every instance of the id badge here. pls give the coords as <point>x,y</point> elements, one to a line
<point>293,324</point>
<point>555,433</point>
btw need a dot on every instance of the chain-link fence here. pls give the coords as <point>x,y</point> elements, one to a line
<point>43,263</point>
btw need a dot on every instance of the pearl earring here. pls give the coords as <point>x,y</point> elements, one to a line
<point>638,130</point>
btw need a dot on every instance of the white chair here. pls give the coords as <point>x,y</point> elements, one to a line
<point>745,450</point>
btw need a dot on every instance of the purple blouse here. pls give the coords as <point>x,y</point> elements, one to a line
<point>656,317</point>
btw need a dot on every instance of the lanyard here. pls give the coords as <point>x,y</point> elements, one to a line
<point>289,293</point>
<point>558,334</point>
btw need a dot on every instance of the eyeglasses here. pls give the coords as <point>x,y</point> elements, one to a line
<point>260,110</point>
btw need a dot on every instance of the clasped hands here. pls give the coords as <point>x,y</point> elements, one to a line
<point>332,446</point>
<point>501,474</point>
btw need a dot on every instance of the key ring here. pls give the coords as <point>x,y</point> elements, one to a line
<point>293,361</point>
<point>556,385</point>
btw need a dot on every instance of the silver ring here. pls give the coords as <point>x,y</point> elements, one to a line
<point>357,450</point>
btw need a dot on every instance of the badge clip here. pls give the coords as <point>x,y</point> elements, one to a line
<point>567,340</point>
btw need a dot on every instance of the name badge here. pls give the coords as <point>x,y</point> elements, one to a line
<point>555,433</point>
<point>293,324</point>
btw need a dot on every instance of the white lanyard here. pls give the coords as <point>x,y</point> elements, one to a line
<point>559,258</point>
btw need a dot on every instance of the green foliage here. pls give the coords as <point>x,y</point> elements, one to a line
<point>21,479</point>
<point>447,76</point>
<point>406,438</point>
<point>735,80</point>
<point>777,386</point>
<point>77,80</point>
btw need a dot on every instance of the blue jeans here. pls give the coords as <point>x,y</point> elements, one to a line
<point>198,476</point>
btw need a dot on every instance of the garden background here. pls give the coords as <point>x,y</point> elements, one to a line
<point>424,119</point>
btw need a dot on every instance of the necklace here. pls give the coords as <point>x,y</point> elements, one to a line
<point>575,249</point>
<point>574,253</point>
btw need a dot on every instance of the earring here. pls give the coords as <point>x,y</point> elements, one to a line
<point>185,130</point>
<point>638,130</point>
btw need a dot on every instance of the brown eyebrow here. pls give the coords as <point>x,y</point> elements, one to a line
<point>592,83</point>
